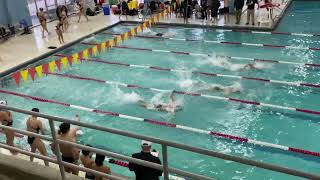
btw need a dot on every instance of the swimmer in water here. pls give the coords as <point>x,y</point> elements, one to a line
<point>165,35</point>
<point>249,67</point>
<point>221,88</point>
<point>170,107</point>
<point>239,67</point>
<point>159,34</point>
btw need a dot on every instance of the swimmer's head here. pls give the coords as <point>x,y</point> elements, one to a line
<point>86,153</point>
<point>158,106</point>
<point>3,103</point>
<point>64,128</point>
<point>35,110</point>
<point>99,159</point>
<point>159,34</point>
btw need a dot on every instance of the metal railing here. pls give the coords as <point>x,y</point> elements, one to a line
<point>165,144</point>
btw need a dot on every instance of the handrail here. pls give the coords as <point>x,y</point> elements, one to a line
<point>158,141</point>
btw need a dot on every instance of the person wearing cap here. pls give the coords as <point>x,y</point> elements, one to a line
<point>142,172</point>
<point>6,120</point>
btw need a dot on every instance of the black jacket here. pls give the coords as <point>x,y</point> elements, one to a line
<point>145,173</point>
<point>238,4</point>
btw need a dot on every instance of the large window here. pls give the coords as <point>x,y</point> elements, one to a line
<point>49,7</point>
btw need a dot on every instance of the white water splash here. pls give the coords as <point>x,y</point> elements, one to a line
<point>226,64</point>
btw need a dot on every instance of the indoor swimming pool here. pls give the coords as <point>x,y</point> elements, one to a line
<point>243,86</point>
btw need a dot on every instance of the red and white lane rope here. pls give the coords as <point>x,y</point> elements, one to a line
<point>170,125</point>
<point>234,43</point>
<point>204,73</point>
<point>239,58</point>
<point>248,31</point>
<point>195,94</point>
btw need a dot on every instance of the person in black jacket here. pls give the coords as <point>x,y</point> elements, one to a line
<point>142,172</point>
<point>238,5</point>
<point>204,7</point>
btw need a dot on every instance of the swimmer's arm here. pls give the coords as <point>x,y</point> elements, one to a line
<point>10,116</point>
<point>107,170</point>
<point>41,127</point>
<point>143,103</point>
<point>73,131</point>
<point>171,98</point>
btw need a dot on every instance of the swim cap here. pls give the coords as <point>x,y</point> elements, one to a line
<point>3,102</point>
<point>146,143</point>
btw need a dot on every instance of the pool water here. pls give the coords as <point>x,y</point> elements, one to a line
<point>269,125</point>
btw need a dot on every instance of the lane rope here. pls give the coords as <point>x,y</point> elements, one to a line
<point>235,43</point>
<point>204,73</point>
<point>236,57</point>
<point>195,94</point>
<point>245,31</point>
<point>170,125</point>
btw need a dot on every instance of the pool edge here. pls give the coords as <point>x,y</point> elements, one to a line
<point>6,73</point>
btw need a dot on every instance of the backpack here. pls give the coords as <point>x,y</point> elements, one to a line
<point>90,12</point>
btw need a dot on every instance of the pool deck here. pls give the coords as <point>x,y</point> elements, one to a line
<point>21,50</point>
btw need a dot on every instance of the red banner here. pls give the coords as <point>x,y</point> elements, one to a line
<point>58,63</point>
<point>90,52</point>
<point>99,48</point>
<point>46,68</point>
<point>16,77</point>
<point>32,72</point>
<point>80,55</point>
<point>70,58</point>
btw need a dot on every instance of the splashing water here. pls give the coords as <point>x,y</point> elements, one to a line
<point>117,96</point>
<point>187,83</point>
<point>127,97</point>
<point>224,63</point>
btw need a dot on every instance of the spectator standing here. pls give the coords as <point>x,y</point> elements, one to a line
<point>35,125</point>
<point>204,7</point>
<point>250,10</point>
<point>214,10</point>
<point>209,7</point>
<point>7,120</point>
<point>43,21</point>
<point>69,153</point>
<point>60,32</point>
<point>82,12</point>
<point>142,172</point>
<point>238,5</point>
<point>226,11</point>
